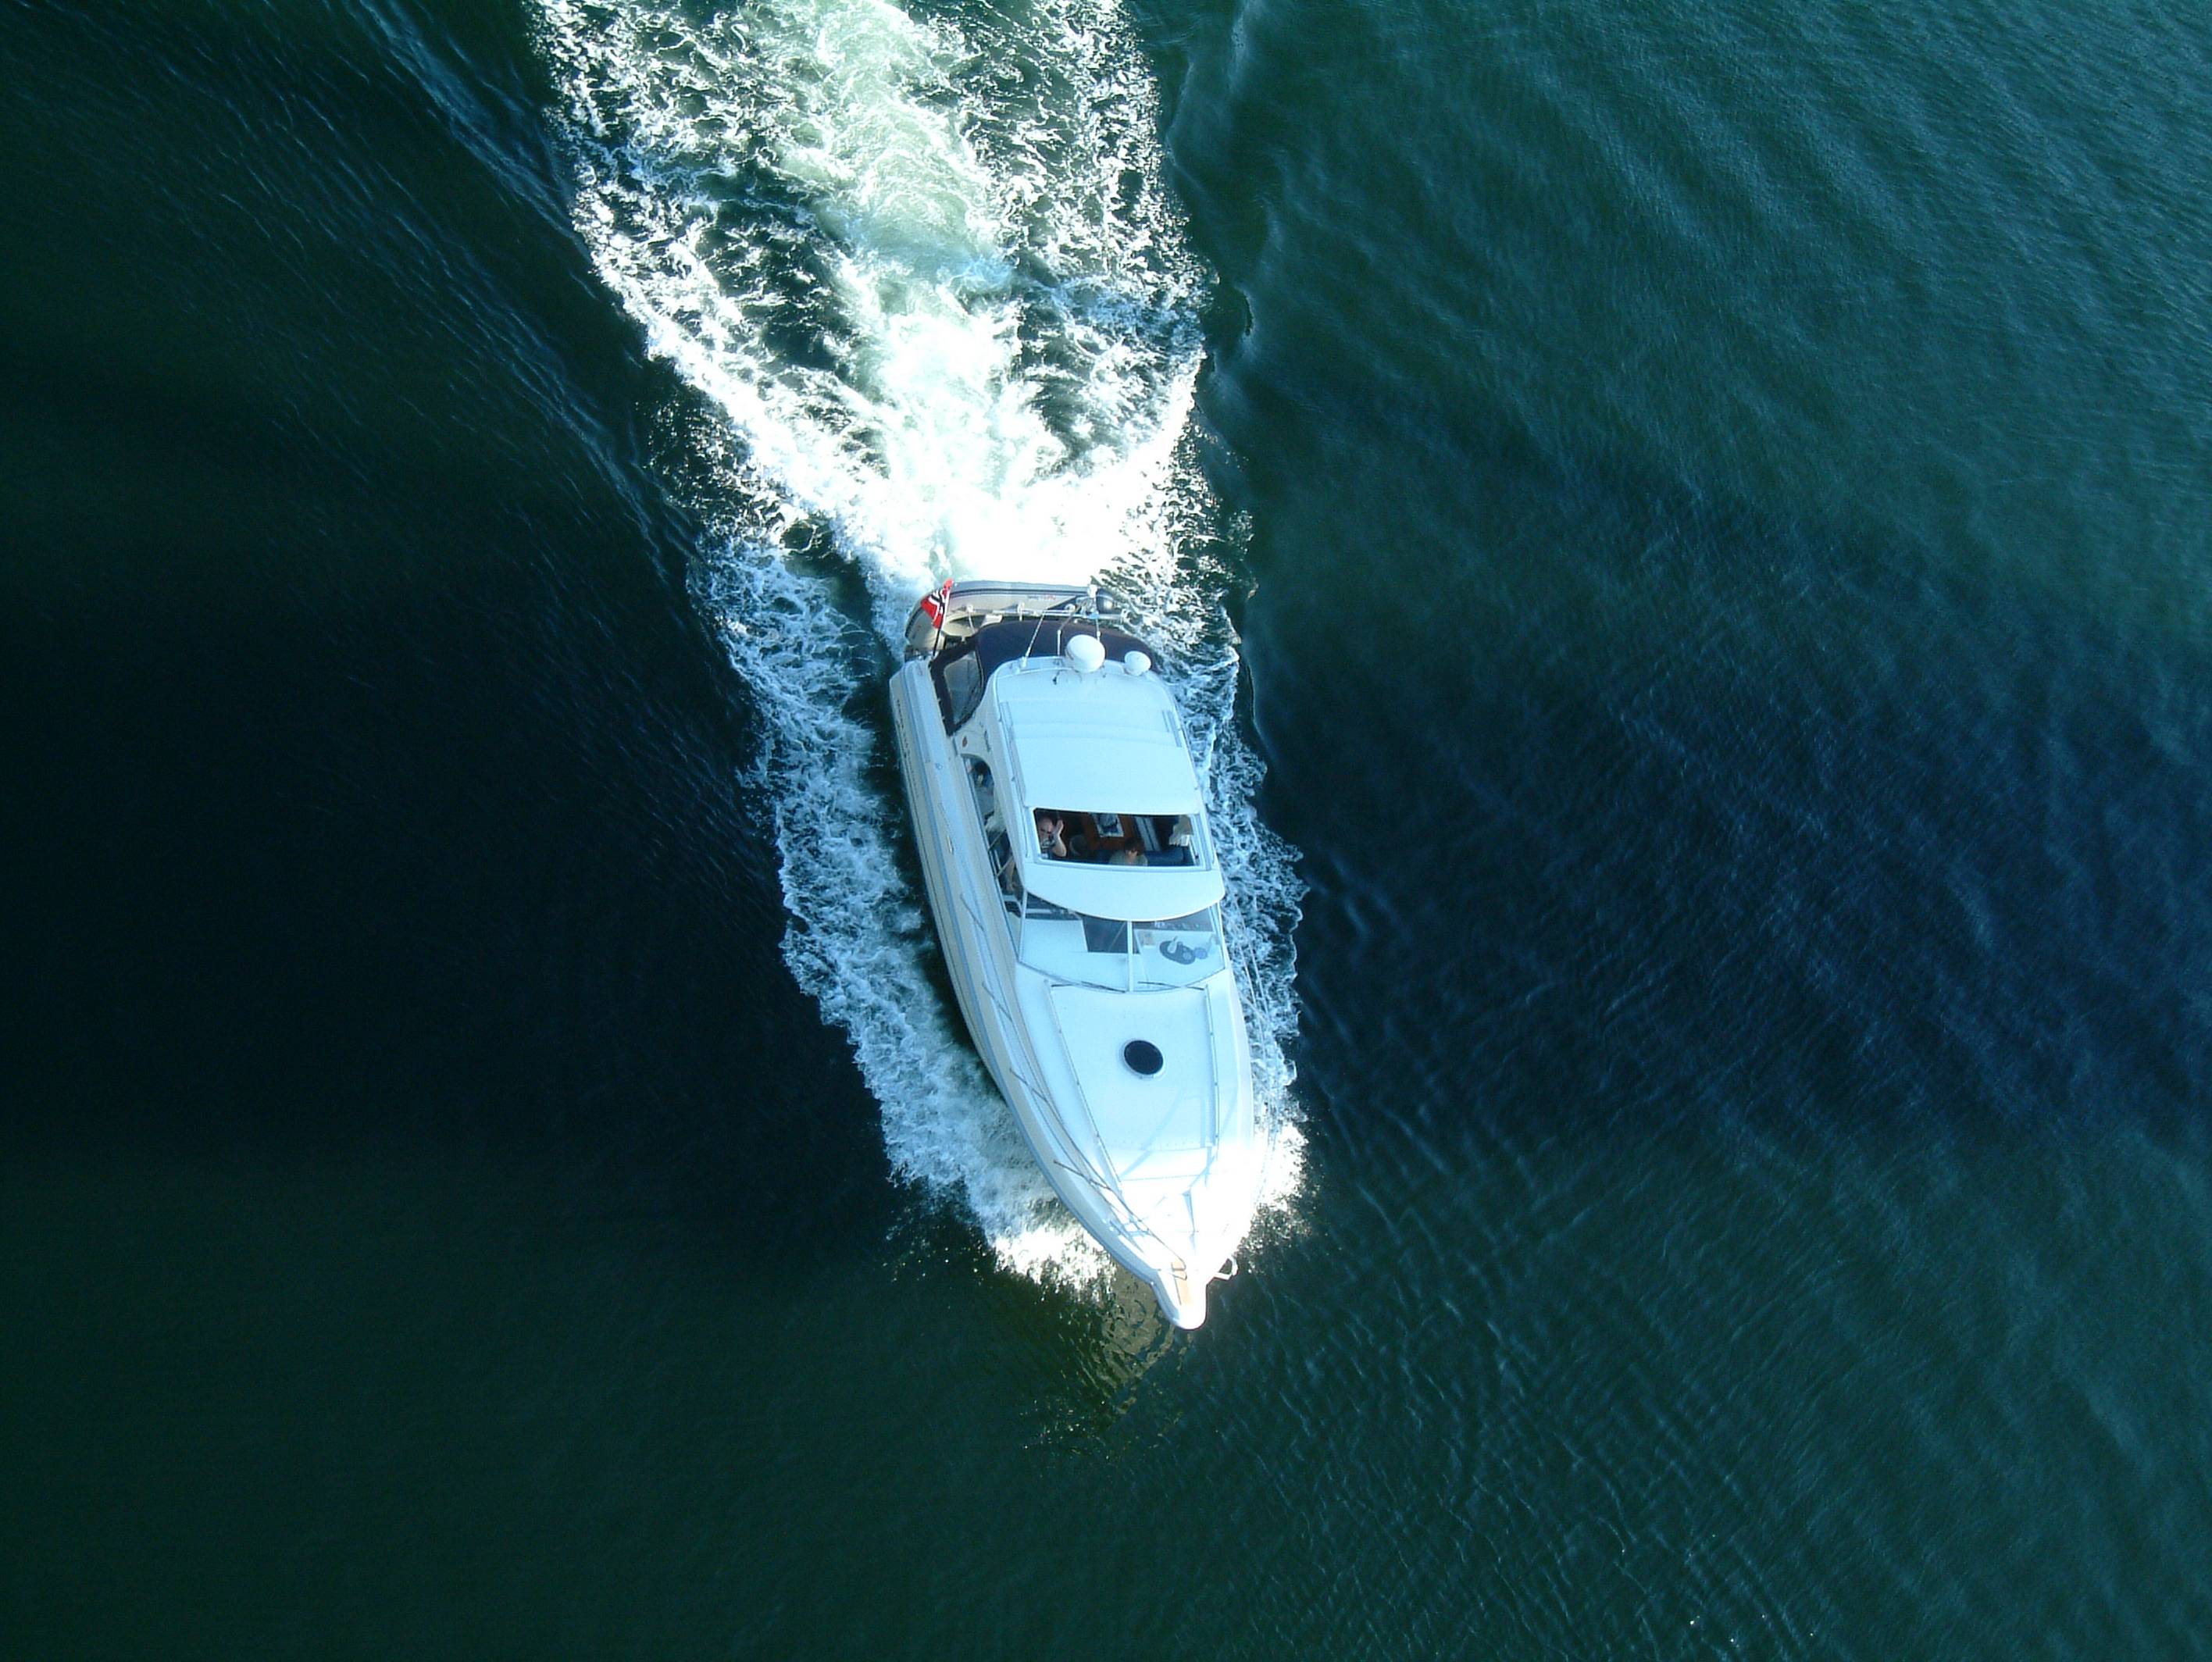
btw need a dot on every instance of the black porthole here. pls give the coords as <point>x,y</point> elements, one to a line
<point>1143,1056</point>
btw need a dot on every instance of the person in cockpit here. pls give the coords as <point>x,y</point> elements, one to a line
<point>1051,829</point>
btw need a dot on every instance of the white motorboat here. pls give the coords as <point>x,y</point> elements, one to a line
<point>1078,894</point>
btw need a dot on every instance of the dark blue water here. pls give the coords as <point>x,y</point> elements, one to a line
<point>1686,530</point>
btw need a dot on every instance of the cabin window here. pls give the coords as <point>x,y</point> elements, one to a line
<point>963,687</point>
<point>1107,952</point>
<point>985,791</point>
<point>1104,934</point>
<point>1009,873</point>
<point>1177,951</point>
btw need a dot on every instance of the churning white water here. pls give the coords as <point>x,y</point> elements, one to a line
<point>923,275</point>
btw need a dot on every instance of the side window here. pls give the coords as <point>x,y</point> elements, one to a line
<point>986,793</point>
<point>964,687</point>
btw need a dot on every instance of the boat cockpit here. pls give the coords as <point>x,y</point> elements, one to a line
<point>1115,838</point>
<point>1120,953</point>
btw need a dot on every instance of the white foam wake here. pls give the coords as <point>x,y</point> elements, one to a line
<point>942,314</point>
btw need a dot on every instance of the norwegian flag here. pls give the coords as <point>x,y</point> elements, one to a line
<point>933,605</point>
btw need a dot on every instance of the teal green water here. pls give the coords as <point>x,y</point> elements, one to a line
<point>1712,506</point>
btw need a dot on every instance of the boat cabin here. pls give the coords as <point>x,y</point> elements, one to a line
<point>1081,775</point>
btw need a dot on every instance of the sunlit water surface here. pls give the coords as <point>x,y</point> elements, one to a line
<point>1682,531</point>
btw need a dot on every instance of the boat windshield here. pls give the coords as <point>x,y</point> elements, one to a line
<point>1124,957</point>
<point>1100,839</point>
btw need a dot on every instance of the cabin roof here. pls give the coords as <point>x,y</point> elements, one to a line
<point>1108,742</point>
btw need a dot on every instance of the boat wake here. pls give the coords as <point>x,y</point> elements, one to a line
<point>937,319</point>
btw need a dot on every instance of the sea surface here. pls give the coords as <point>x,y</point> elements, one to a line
<point>1685,534</point>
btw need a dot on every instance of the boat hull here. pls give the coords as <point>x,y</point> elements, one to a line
<point>996,994</point>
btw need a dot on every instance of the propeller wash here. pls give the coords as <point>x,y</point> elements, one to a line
<point>940,321</point>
